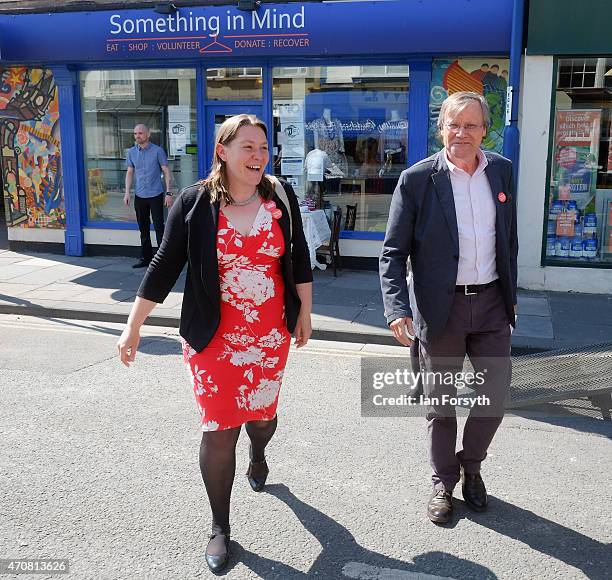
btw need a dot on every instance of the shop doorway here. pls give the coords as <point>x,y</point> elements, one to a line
<point>216,115</point>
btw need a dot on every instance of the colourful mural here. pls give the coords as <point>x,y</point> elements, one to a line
<point>487,77</point>
<point>30,151</point>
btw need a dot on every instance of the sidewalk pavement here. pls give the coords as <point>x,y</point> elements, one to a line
<point>347,308</point>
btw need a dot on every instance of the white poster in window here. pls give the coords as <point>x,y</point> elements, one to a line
<point>291,136</point>
<point>292,166</point>
<point>289,111</point>
<point>179,129</point>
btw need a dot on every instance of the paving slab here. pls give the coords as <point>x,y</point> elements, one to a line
<point>6,260</point>
<point>533,306</point>
<point>15,270</point>
<point>569,329</point>
<point>104,296</point>
<point>57,273</point>
<point>322,312</point>
<point>361,280</point>
<point>39,262</point>
<point>346,296</point>
<point>15,289</point>
<point>373,316</point>
<point>534,326</point>
<point>56,291</point>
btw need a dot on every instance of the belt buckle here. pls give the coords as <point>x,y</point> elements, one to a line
<point>465,291</point>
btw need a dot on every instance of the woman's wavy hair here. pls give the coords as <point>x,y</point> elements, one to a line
<point>216,183</point>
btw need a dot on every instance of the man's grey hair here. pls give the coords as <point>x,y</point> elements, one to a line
<point>458,101</point>
<point>143,126</point>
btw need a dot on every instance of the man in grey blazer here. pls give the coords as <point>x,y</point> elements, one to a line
<point>454,215</point>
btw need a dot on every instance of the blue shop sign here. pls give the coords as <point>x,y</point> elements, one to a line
<point>287,30</point>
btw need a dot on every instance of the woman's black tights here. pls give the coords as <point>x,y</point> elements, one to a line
<point>218,465</point>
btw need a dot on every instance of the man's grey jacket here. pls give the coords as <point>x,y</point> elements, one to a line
<point>423,227</point>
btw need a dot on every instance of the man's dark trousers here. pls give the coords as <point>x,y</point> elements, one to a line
<point>147,208</point>
<point>477,326</point>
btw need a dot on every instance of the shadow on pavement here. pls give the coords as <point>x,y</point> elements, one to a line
<point>342,557</point>
<point>582,420</point>
<point>550,538</point>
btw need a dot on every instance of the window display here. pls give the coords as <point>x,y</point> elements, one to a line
<point>113,102</point>
<point>341,137</point>
<point>579,213</point>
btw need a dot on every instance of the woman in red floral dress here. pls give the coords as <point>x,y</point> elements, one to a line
<point>238,310</point>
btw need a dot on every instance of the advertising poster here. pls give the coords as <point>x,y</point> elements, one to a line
<point>178,129</point>
<point>575,156</point>
<point>485,76</point>
<point>291,137</point>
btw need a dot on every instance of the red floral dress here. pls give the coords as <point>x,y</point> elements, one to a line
<point>237,377</point>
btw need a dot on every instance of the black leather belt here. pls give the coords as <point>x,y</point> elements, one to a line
<point>470,289</point>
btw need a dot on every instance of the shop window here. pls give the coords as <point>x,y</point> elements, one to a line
<point>340,137</point>
<point>234,84</point>
<point>581,73</point>
<point>579,205</point>
<point>487,76</point>
<point>113,102</point>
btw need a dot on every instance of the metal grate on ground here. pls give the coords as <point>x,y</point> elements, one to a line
<point>563,374</point>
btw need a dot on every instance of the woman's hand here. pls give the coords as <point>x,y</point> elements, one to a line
<point>303,329</point>
<point>128,344</point>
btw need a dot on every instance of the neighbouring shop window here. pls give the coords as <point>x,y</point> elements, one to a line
<point>113,102</point>
<point>579,208</point>
<point>234,84</point>
<point>487,76</point>
<point>341,138</point>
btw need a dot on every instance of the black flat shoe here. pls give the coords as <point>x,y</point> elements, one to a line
<point>474,491</point>
<point>440,506</point>
<point>141,264</point>
<point>257,473</point>
<point>217,561</point>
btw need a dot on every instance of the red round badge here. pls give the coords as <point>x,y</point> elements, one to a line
<point>277,213</point>
<point>502,197</point>
<point>270,205</point>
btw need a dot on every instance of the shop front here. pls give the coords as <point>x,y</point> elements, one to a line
<point>565,224</point>
<point>350,91</point>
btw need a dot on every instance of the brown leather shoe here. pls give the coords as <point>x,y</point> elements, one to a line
<point>440,506</point>
<point>474,491</point>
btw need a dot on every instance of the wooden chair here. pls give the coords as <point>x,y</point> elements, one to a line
<point>351,217</point>
<point>333,248</point>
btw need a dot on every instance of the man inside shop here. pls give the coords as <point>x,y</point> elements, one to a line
<point>146,162</point>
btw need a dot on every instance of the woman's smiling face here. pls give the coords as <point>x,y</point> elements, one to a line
<point>245,157</point>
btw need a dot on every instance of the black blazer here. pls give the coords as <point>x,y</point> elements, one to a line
<point>191,236</point>
<point>423,226</point>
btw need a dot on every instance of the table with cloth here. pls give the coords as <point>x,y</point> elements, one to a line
<point>317,233</point>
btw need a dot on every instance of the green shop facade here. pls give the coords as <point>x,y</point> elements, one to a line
<point>565,222</point>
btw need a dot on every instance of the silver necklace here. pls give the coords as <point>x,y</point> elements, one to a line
<point>246,201</point>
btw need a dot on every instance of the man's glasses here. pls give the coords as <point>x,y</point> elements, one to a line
<point>469,127</point>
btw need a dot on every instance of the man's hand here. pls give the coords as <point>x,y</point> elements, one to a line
<point>168,200</point>
<point>126,199</point>
<point>403,330</point>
